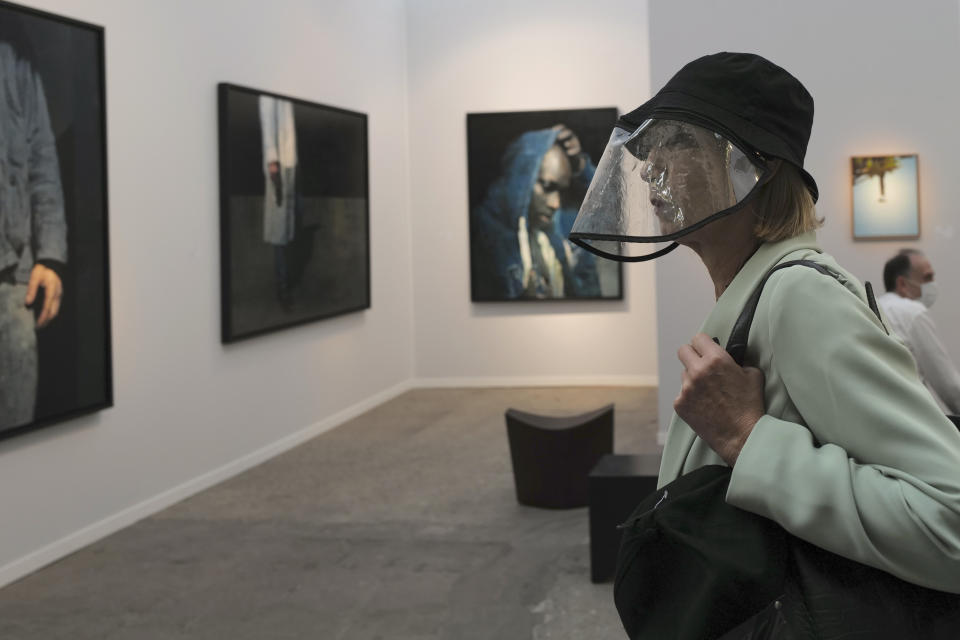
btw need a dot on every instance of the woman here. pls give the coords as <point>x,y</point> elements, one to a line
<point>829,432</point>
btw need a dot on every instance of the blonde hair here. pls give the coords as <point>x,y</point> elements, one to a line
<point>783,207</point>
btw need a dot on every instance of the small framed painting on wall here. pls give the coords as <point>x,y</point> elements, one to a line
<point>886,197</point>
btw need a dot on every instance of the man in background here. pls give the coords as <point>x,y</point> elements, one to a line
<point>33,233</point>
<point>909,280</point>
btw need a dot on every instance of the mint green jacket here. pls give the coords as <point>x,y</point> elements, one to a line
<point>853,454</point>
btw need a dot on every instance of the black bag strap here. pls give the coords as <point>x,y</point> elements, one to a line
<point>737,343</point>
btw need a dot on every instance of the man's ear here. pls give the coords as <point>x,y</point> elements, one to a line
<point>900,286</point>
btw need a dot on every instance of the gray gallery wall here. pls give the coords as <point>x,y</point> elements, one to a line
<point>884,80</point>
<point>469,57</point>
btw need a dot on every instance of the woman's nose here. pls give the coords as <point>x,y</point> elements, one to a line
<point>654,171</point>
<point>553,200</point>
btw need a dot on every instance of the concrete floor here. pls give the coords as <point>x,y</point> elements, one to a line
<point>401,524</point>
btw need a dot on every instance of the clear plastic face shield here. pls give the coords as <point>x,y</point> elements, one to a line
<point>659,182</point>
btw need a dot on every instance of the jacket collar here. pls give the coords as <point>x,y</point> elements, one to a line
<point>719,324</point>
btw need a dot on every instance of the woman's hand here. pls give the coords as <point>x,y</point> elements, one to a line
<point>720,400</point>
<point>570,144</point>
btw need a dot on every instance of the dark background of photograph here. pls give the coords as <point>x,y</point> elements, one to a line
<point>74,350</point>
<point>329,142</point>
<point>489,135</point>
<point>331,247</point>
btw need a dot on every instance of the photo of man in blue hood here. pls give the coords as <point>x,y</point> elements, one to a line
<point>519,246</point>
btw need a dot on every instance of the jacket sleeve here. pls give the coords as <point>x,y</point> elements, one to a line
<point>48,220</point>
<point>934,362</point>
<point>875,474</point>
<point>495,255</point>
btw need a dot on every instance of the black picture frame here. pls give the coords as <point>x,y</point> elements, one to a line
<point>287,261</point>
<point>499,145</point>
<point>64,59</point>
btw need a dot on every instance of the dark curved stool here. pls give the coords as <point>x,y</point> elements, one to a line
<point>552,456</point>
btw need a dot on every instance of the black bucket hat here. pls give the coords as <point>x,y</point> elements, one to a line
<point>743,96</point>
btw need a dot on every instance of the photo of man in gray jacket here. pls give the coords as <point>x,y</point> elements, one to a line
<point>33,233</point>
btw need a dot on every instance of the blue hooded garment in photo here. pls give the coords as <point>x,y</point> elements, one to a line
<point>497,265</point>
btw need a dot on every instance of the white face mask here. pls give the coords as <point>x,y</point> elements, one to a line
<point>928,292</point>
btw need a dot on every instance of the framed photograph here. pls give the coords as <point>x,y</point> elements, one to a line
<point>528,173</point>
<point>294,212</point>
<point>55,360</point>
<point>886,197</point>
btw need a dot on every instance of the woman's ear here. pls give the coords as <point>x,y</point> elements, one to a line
<point>773,166</point>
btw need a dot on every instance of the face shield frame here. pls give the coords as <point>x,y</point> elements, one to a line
<point>758,160</point>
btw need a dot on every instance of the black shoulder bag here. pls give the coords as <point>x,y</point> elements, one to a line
<point>692,567</point>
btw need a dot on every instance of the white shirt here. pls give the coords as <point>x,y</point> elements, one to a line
<point>278,131</point>
<point>541,268</point>
<point>911,322</point>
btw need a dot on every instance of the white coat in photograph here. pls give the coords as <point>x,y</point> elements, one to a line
<point>279,146</point>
